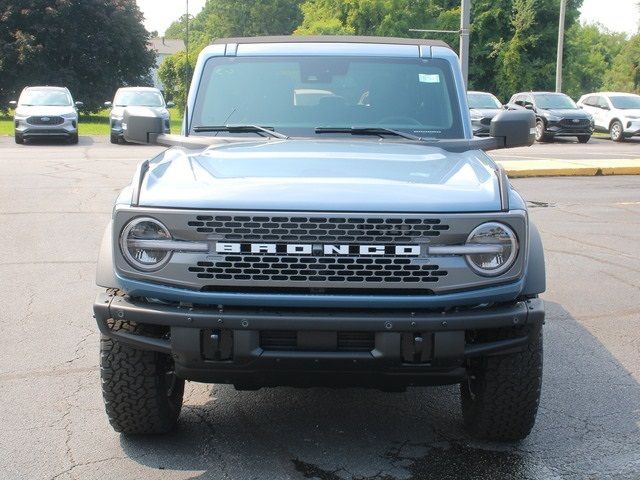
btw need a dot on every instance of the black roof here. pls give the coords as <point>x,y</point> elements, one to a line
<point>333,39</point>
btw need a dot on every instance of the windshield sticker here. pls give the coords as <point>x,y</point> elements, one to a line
<point>429,78</point>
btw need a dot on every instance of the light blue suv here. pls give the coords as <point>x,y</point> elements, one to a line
<point>325,218</point>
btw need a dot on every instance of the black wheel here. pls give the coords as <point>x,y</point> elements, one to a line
<point>18,138</point>
<point>584,138</point>
<point>73,139</point>
<point>500,399</point>
<point>616,131</point>
<point>141,392</point>
<point>114,138</point>
<point>540,135</point>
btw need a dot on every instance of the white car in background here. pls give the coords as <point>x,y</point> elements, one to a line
<point>136,97</point>
<point>614,112</point>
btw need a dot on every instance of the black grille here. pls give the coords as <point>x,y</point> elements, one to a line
<point>45,120</point>
<point>287,340</point>
<point>570,123</point>
<point>324,229</point>
<point>351,270</point>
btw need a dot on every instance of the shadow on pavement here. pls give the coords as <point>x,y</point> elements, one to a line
<point>83,141</point>
<point>588,427</point>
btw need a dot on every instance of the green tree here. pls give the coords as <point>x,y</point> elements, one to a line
<point>224,18</point>
<point>624,74</point>
<point>589,54</point>
<point>90,46</point>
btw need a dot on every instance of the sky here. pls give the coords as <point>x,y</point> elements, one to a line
<point>616,15</point>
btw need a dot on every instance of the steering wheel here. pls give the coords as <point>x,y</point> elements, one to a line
<point>400,119</point>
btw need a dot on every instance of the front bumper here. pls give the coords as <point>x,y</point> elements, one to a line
<point>557,130</point>
<point>631,128</point>
<point>66,129</point>
<point>227,344</point>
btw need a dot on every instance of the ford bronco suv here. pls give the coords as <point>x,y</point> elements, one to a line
<point>326,218</point>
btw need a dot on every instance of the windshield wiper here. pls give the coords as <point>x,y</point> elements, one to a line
<point>369,131</point>
<point>239,129</point>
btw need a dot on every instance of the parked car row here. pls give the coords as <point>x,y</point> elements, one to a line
<point>50,112</point>
<point>557,115</point>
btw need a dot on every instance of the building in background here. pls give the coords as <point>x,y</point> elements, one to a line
<point>163,48</point>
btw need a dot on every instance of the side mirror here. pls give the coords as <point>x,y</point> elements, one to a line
<point>528,106</point>
<point>79,104</point>
<point>606,107</point>
<point>108,104</point>
<point>515,128</point>
<point>13,104</point>
<point>171,104</point>
<point>142,125</point>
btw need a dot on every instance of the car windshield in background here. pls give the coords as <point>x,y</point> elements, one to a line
<point>45,98</point>
<point>138,99</point>
<point>296,95</point>
<point>483,101</point>
<point>554,101</point>
<point>626,102</point>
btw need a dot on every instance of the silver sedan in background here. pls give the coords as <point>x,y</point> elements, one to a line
<point>136,97</point>
<point>483,107</point>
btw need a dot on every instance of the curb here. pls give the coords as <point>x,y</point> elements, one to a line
<point>566,168</point>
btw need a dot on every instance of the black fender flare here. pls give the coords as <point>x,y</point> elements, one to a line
<point>104,269</point>
<point>535,281</point>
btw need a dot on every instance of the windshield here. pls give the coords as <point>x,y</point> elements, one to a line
<point>295,95</point>
<point>138,99</point>
<point>41,98</point>
<point>626,102</point>
<point>483,100</point>
<point>554,101</point>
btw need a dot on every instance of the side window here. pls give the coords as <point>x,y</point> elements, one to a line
<point>601,102</point>
<point>591,101</point>
<point>528,100</point>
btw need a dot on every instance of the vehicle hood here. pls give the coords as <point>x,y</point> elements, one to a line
<point>118,112</point>
<point>567,113</point>
<point>486,112</point>
<point>322,175</point>
<point>44,111</point>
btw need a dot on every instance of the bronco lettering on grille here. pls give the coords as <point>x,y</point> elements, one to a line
<point>318,250</point>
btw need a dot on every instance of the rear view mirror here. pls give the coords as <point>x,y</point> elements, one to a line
<point>142,125</point>
<point>514,128</point>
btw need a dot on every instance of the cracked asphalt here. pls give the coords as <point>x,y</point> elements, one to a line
<point>54,203</point>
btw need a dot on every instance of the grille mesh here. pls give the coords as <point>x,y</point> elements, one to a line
<point>41,121</point>
<point>324,229</point>
<point>571,124</point>
<point>363,270</point>
<point>279,340</point>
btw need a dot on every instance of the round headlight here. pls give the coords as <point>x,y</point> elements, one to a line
<point>134,250</point>
<point>499,259</point>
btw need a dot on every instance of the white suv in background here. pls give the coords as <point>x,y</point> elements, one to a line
<point>614,112</point>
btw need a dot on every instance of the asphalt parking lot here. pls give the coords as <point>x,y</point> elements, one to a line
<point>54,203</point>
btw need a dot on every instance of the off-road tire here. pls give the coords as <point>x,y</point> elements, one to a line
<point>616,131</point>
<point>500,399</point>
<point>141,396</point>
<point>584,138</point>
<point>540,135</point>
<point>18,138</point>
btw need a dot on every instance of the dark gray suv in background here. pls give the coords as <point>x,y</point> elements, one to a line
<point>556,115</point>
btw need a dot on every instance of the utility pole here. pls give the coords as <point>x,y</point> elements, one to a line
<point>563,9</point>
<point>465,23</point>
